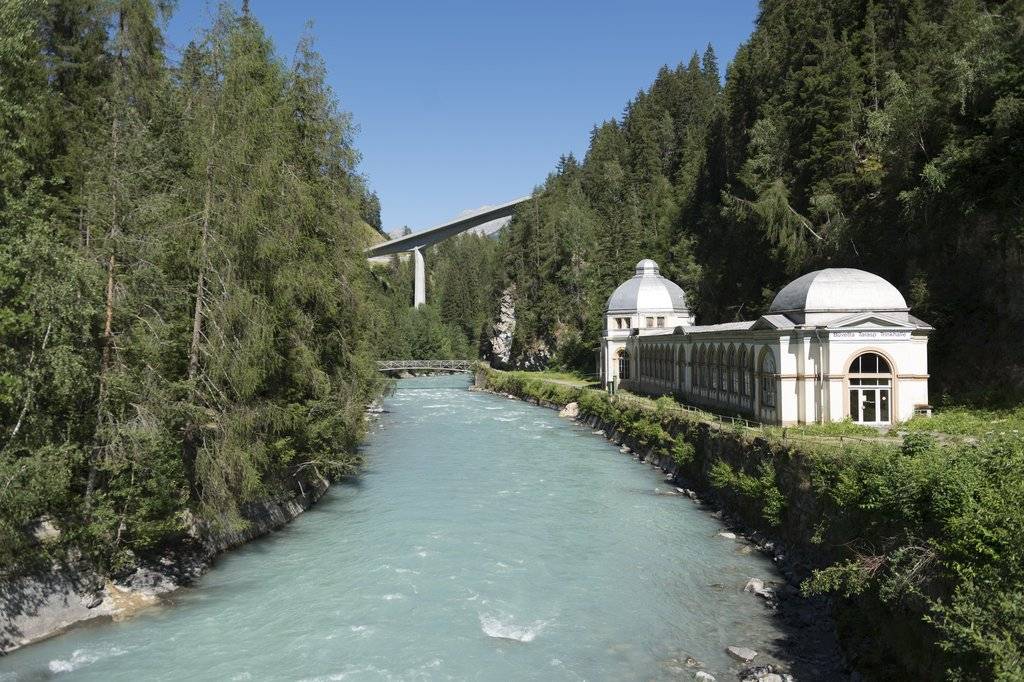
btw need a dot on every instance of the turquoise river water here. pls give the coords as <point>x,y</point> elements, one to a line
<point>487,539</point>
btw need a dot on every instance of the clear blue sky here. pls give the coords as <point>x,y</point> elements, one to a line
<point>462,104</point>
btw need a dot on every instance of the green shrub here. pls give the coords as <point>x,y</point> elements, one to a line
<point>683,452</point>
<point>759,491</point>
<point>936,525</point>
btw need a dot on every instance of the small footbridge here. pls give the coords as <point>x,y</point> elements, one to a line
<point>424,365</point>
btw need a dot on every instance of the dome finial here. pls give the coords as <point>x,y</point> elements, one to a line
<point>647,267</point>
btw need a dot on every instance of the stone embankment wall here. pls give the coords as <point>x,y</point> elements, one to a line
<point>876,640</point>
<point>41,606</point>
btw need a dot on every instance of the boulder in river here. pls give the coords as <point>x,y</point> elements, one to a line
<point>727,535</point>
<point>572,410</point>
<point>741,653</point>
<point>757,586</point>
<point>703,676</point>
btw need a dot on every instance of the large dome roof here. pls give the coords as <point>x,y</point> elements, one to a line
<point>838,290</point>
<point>647,291</point>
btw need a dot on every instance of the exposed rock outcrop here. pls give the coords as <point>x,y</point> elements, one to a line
<point>503,329</point>
<point>572,410</point>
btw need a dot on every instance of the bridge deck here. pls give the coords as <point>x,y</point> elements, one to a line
<point>442,232</point>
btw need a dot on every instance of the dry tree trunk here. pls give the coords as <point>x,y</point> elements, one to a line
<point>108,317</point>
<point>190,441</point>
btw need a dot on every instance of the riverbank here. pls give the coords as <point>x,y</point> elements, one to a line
<point>916,542</point>
<point>482,534</point>
<point>40,606</point>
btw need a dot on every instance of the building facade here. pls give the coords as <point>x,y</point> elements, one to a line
<point>835,344</point>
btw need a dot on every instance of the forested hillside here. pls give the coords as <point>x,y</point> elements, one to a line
<point>460,275</point>
<point>887,136</point>
<point>183,295</point>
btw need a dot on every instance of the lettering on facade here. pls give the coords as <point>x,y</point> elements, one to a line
<point>871,335</point>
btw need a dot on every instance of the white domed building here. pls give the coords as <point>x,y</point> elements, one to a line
<point>645,301</point>
<point>836,344</point>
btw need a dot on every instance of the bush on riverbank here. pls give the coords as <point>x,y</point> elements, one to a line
<point>922,543</point>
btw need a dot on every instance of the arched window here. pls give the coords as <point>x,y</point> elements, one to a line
<point>741,371</point>
<point>869,363</point>
<point>623,364</point>
<point>750,376</point>
<point>731,366</point>
<point>870,378</point>
<point>720,368</point>
<point>768,393</point>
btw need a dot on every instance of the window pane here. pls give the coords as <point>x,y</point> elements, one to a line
<point>869,406</point>
<point>855,405</point>
<point>883,405</point>
<point>883,366</point>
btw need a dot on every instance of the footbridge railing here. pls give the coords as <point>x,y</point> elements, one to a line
<point>409,365</point>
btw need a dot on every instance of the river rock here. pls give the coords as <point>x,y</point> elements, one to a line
<point>91,600</point>
<point>764,673</point>
<point>572,410</point>
<point>741,653</point>
<point>757,586</point>
<point>727,535</point>
<point>705,677</point>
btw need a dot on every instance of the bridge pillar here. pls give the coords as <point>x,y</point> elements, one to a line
<point>419,296</point>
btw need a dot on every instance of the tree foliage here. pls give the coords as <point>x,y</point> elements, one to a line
<point>183,295</point>
<point>885,136</point>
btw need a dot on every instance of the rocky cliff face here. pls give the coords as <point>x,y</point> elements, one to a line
<point>503,330</point>
<point>533,356</point>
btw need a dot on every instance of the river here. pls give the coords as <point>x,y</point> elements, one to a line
<point>486,539</point>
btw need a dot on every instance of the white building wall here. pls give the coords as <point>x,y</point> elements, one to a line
<point>811,376</point>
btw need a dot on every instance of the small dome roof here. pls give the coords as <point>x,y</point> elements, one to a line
<point>838,290</point>
<point>647,290</point>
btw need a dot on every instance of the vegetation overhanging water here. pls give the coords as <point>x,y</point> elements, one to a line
<point>487,539</point>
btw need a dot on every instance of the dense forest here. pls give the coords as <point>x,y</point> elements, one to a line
<point>184,302</point>
<point>883,135</point>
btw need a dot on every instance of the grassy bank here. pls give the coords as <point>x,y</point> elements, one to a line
<point>921,542</point>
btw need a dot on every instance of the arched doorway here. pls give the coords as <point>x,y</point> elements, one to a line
<point>768,393</point>
<point>623,365</point>
<point>870,378</point>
